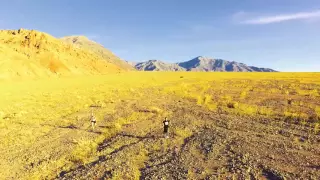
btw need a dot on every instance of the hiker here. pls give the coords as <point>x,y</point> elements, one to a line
<point>93,121</point>
<point>166,127</point>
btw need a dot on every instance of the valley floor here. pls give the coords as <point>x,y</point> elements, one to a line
<point>222,125</point>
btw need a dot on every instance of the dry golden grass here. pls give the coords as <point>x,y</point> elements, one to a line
<point>26,53</point>
<point>44,123</point>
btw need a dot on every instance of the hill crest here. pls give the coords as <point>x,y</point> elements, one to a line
<point>87,44</point>
<point>31,53</point>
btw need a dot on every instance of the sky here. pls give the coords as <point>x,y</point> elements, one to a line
<point>279,34</point>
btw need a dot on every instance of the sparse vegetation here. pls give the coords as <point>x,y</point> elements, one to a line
<point>221,123</point>
<point>183,132</point>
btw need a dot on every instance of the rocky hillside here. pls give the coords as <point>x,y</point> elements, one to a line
<point>208,64</point>
<point>84,43</point>
<point>200,64</point>
<point>30,53</point>
<point>156,65</point>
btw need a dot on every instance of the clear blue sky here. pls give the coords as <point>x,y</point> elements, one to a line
<point>279,34</point>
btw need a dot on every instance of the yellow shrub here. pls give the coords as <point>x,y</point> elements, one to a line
<point>273,90</point>
<point>289,114</point>
<point>314,93</point>
<point>117,126</point>
<point>212,106</point>
<point>207,102</point>
<point>199,100</point>
<point>281,86</point>
<point>183,132</point>
<point>135,116</point>
<point>248,109</point>
<point>303,116</point>
<point>207,99</point>
<point>226,98</point>
<point>297,103</point>
<point>286,92</point>
<point>156,146</point>
<point>265,111</point>
<point>82,152</point>
<point>243,95</point>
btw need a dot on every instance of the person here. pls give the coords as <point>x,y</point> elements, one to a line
<point>166,128</point>
<point>93,121</point>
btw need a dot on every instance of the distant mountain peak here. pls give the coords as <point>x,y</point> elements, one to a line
<point>200,58</point>
<point>154,60</point>
<point>199,63</point>
<point>157,65</point>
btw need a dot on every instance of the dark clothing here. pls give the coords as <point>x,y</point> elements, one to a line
<point>93,119</point>
<point>165,126</point>
<point>165,129</point>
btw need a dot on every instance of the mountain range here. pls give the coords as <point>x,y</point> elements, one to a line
<point>30,53</point>
<point>199,63</point>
